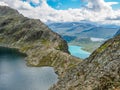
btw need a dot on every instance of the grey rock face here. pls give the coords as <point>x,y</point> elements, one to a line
<point>101,71</point>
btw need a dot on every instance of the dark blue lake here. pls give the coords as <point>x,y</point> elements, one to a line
<point>15,75</point>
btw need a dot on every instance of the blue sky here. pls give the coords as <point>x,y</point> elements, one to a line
<point>117,6</point>
<point>65,4</point>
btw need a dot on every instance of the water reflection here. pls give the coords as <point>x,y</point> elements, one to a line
<point>15,75</point>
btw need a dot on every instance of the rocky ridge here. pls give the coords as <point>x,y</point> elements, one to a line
<point>101,71</point>
<point>42,46</point>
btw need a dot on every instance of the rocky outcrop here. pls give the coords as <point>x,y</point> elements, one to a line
<point>42,46</point>
<point>101,71</point>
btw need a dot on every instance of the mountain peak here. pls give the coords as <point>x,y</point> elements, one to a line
<point>5,10</point>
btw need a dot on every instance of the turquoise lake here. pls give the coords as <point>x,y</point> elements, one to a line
<point>78,52</point>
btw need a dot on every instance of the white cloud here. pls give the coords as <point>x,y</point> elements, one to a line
<point>97,11</point>
<point>3,4</point>
<point>112,3</point>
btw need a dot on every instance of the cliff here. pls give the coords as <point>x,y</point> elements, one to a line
<point>42,46</point>
<point>101,71</point>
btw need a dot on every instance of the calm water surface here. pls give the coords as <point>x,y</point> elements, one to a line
<point>15,75</point>
<point>78,52</point>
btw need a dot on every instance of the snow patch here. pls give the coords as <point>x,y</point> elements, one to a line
<point>97,39</point>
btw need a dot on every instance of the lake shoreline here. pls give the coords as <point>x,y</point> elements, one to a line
<point>77,51</point>
<point>16,75</point>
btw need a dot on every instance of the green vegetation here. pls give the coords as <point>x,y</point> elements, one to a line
<point>45,42</point>
<point>103,47</point>
<point>1,39</point>
<point>61,46</point>
<point>26,48</point>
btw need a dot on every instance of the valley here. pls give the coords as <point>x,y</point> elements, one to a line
<point>83,33</point>
<point>59,56</point>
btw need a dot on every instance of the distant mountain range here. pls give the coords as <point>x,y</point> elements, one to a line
<point>83,30</point>
<point>84,33</point>
<point>43,47</point>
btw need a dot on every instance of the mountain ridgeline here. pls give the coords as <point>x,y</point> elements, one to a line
<point>101,71</point>
<point>82,33</point>
<point>42,46</point>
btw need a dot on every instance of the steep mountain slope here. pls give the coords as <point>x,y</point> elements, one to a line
<point>42,46</point>
<point>101,71</point>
